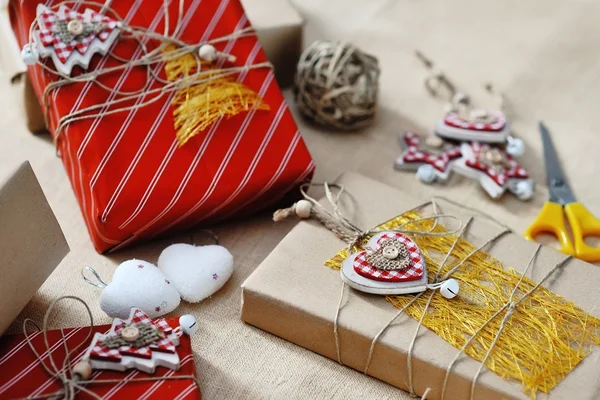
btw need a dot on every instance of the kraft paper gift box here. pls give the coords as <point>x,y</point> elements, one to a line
<point>131,188</point>
<point>32,243</point>
<point>294,296</point>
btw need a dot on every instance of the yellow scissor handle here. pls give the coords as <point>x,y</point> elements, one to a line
<point>551,220</point>
<point>583,224</point>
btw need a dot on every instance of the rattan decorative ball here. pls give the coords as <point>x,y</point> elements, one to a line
<point>337,85</point>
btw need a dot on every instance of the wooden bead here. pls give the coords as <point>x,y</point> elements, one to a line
<point>303,208</point>
<point>207,52</point>
<point>434,141</point>
<point>83,369</point>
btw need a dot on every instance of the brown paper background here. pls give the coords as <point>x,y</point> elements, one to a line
<point>542,53</point>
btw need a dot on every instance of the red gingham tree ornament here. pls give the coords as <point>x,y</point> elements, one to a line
<point>71,38</point>
<point>137,342</point>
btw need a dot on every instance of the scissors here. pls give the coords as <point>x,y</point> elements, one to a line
<point>551,219</point>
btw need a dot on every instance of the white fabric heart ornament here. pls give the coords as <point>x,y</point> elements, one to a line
<point>139,284</point>
<point>197,272</point>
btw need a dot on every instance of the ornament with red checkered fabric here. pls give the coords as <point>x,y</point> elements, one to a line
<point>495,170</point>
<point>138,342</point>
<point>71,38</point>
<point>432,157</point>
<point>391,263</point>
<point>467,124</point>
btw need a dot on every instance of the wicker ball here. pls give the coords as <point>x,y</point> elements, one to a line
<point>336,85</point>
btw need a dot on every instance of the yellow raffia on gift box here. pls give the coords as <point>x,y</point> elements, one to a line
<point>199,105</point>
<point>546,337</point>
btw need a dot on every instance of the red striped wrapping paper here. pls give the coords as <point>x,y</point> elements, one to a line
<point>22,375</point>
<point>130,177</point>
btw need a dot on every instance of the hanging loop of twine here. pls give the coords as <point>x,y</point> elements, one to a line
<point>99,283</point>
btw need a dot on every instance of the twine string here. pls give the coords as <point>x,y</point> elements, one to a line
<point>118,100</point>
<point>72,382</point>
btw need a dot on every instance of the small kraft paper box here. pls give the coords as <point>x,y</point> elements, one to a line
<point>294,296</point>
<point>32,243</point>
<point>132,178</point>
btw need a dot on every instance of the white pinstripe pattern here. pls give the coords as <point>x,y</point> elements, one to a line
<point>189,13</point>
<point>88,136</point>
<point>50,380</point>
<point>236,141</point>
<point>157,123</point>
<point>282,166</point>
<point>309,168</point>
<point>123,128</point>
<point>153,129</point>
<point>255,161</point>
<point>18,347</point>
<point>33,364</point>
<point>199,153</point>
<point>157,18</point>
<point>115,389</point>
<point>86,88</point>
<point>226,159</point>
<point>158,384</point>
<point>186,391</point>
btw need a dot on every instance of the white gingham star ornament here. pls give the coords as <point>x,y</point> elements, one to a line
<point>390,264</point>
<point>71,38</point>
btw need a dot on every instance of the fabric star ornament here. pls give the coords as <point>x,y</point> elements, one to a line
<point>390,264</point>
<point>137,342</point>
<point>71,38</point>
<point>434,153</point>
<point>495,170</point>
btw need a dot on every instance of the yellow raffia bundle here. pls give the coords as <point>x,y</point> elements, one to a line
<point>546,337</point>
<point>216,95</point>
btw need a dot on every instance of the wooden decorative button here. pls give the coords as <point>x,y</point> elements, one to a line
<point>75,27</point>
<point>130,333</point>
<point>390,252</point>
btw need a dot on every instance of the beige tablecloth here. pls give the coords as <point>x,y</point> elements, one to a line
<point>542,53</point>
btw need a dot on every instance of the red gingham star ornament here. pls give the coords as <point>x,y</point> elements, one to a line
<point>495,170</point>
<point>128,344</point>
<point>400,272</point>
<point>432,162</point>
<point>72,38</point>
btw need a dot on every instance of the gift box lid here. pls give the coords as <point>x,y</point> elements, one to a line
<point>32,242</point>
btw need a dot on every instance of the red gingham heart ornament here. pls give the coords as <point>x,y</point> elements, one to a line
<point>358,272</point>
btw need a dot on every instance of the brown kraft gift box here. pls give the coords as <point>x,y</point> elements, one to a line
<point>32,243</point>
<point>294,296</point>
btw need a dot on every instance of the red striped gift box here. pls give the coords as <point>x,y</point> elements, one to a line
<point>22,375</point>
<point>130,177</point>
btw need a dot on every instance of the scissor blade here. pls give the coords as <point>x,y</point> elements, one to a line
<point>560,192</point>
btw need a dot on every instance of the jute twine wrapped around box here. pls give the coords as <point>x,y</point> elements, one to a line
<point>500,318</point>
<point>512,325</point>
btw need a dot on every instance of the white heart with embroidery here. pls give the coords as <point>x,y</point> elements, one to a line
<point>140,284</point>
<point>196,271</point>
